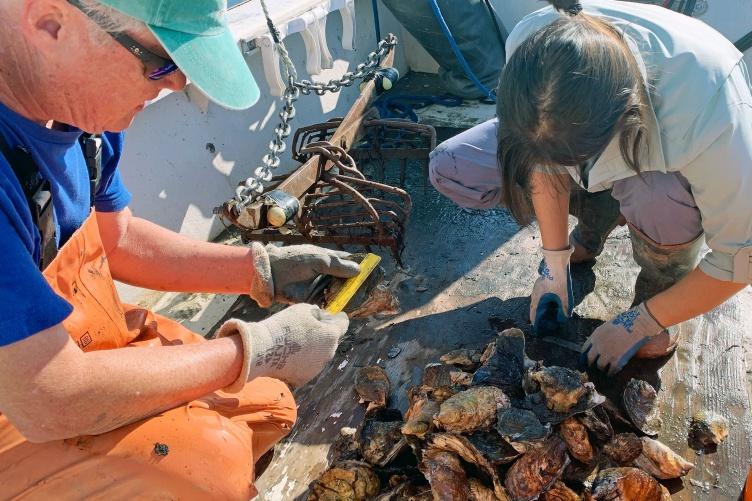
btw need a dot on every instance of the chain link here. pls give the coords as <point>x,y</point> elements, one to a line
<point>254,186</point>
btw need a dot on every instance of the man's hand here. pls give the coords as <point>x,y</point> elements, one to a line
<point>294,345</point>
<point>553,289</point>
<point>284,274</point>
<point>614,343</point>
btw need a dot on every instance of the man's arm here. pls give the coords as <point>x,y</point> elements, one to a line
<point>53,390</point>
<point>144,254</point>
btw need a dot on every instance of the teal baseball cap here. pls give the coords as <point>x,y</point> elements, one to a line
<point>196,36</point>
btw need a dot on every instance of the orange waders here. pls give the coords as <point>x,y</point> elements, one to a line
<point>205,449</point>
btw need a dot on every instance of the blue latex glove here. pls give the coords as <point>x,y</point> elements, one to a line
<point>552,290</point>
<point>614,343</point>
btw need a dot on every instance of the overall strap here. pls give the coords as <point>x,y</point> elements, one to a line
<point>38,196</point>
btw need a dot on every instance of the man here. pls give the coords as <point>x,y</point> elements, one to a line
<point>81,416</point>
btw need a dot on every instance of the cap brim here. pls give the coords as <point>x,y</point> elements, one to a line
<point>214,64</point>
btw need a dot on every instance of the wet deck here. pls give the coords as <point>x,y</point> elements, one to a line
<point>463,267</point>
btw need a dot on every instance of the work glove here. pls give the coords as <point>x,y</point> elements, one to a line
<point>293,345</point>
<point>284,274</point>
<point>553,289</point>
<point>614,343</point>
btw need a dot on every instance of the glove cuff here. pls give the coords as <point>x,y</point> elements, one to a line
<point>262,286</point>
<point>247,332</point>
<point>649,318</point>
<point>560,257</point>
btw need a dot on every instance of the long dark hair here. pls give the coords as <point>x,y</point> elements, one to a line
<point>565,93</point>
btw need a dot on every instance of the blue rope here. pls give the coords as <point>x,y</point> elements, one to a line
<point>376,20</point>
<point>457,53</point>
<point>403,105</point>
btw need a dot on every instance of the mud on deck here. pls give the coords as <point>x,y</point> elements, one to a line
<point>463,267</point>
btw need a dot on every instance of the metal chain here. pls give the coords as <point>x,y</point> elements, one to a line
<point>253,186</point>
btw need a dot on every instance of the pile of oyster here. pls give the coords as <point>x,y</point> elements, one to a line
<point>494,425</point>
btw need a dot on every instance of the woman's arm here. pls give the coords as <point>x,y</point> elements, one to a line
<point>550,196</point>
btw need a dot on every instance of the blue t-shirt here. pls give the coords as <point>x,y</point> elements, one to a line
<point>27,302</point>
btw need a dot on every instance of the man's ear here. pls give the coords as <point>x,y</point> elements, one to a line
<point>45,22</point>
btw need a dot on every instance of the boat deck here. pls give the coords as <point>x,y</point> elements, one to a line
<point>464,267</point>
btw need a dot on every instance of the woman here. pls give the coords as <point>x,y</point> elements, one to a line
<point>639,100</point>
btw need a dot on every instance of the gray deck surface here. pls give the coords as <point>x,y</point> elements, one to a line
<point>463,267</point>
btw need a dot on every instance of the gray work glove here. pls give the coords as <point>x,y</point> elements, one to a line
<point>284,274</point>
<point>293,345</point>
<point>553,287</point>
<point>614,343</point>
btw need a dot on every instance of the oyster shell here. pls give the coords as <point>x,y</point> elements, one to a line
<point>536,402</point>
<point>472,409</point>
<point>346,481</point>
<point>381,437</point>
<point>640,402</point>
<point>479,492</point>
<point>494,448</point>
<point>465,449</point>
<point>460,378</point>
<point>660,461</point>
<point>624,448</point>
<point>380,301</point>
<point>506,365</point>
<point>537,470</point>
<point>446,475</point>
<point>575,435</point>
<point>488,352</point>
<point>345,446</point>
<point>372,385</point>
<point>438,375</point>
<point>421,413</point>
<point>560,492</point>
<point>625,484</point>
<point>467,360</point>
<point>520,427</point>
<point>563,388</point>
<point>597,422</point>
<point>707,430</point>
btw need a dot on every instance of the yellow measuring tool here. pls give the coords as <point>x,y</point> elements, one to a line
<point>353,284</point>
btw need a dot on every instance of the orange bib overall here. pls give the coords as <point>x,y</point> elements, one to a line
<point>205,449</point>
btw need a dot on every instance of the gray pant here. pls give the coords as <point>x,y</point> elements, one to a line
<point>464,168</point>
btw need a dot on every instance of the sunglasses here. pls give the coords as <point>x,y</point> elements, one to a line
<point>156,67</point>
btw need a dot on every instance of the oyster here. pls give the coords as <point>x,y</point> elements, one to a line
<point>624,448</point>
<point>438,375</point>
<point>372,385</point>
<point>597,422</point>
<point>640,402</point>
<point>660,461</point>
<point>488,352</point>
<point>460,378</point>
<point>371,298</point>
<point>563,388</point>
<point>472,409</point>
<point>494,448</point>
<point>537,470</point>
<point>520,427</point>
<point>421,413</point>
<point>708,429</point>
<point>465,449</point>
<point>575,435</point>
<point>467,360</point>
<point>479,492</point>
<point>560,492</point>
<point>506,365</point>
<point>536,402</point>
<point>345,446</point>
<point>625,484</point>
<point>380,301</point>
<point>346,481</point>
<point>446,475</point>
<point>406,492</point>
<point>381,437</point>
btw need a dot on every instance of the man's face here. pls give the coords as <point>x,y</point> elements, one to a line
<point>106,83</point>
